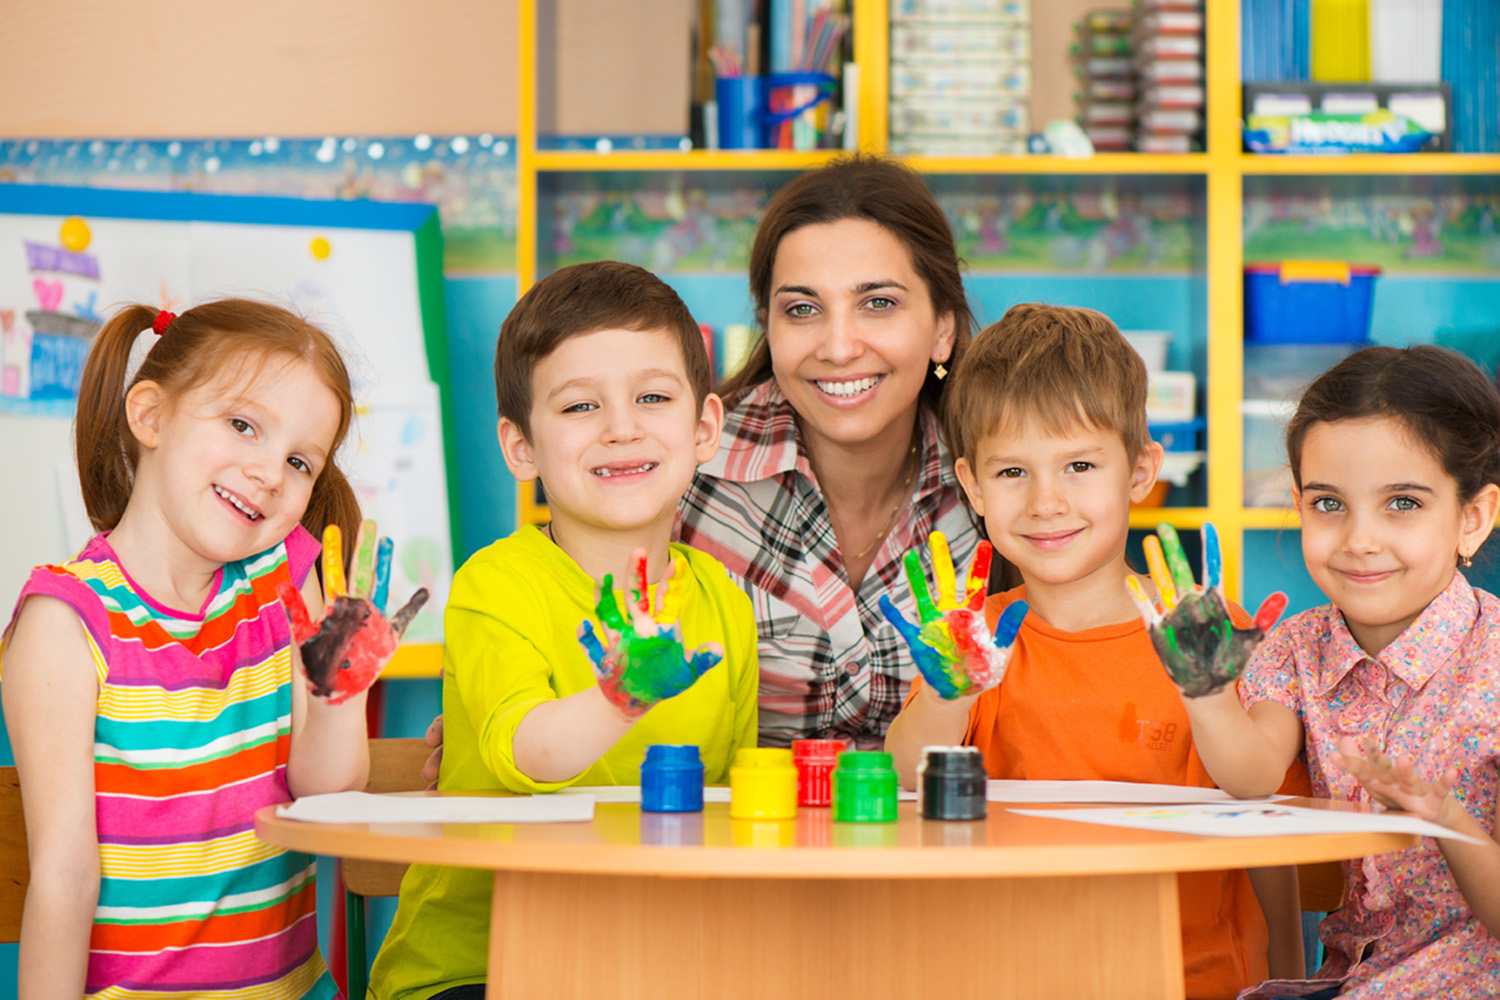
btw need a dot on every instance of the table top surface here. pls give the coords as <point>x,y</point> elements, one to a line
<point>623,839</point>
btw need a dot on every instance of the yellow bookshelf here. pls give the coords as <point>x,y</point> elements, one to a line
<point>1223,168</point>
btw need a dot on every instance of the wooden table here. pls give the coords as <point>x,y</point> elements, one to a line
<point>642,905</point>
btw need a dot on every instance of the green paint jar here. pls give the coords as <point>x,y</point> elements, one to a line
<point>864,788</point>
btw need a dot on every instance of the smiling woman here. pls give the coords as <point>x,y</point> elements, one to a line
<point>831,465</point>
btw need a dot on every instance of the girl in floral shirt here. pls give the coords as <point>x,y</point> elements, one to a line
<point>1393,689</point>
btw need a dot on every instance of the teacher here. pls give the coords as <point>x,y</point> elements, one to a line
<point>831,466</point>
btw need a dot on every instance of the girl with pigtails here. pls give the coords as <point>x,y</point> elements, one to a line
<point>149,688</point>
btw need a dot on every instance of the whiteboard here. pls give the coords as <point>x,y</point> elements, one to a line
<point>356,270</point>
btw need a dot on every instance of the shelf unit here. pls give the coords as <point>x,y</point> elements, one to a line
<point>1223,169</point>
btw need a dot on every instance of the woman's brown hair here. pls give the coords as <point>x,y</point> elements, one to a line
<point>198,346</point>
<point>1442,398</point>
<point>892,196</point>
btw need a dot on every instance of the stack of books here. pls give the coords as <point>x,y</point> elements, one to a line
<point>1103,61</point>
<point>1168,41</point>
<point>960,77</point>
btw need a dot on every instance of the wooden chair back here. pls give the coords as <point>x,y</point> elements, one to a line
<point>1320,886</point>
<point>395,766</point>
<point>15,866</point>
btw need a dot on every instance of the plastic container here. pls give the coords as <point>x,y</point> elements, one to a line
<point>951,783</point>
<point>738,100</point>
<point>864,788</point>
<point>762,784</point>
<point>1308,302</point>
<point>815,761</point>
<point>1151,345</point>
<point>671,779</point>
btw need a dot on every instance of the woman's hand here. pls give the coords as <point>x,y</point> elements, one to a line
<point>952,646</point>
<point>1196,640</point>
<point>1396,784</point>
<point>343,652</point>
<point>641,660</point>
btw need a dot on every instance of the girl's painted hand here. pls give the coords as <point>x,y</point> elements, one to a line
<point>641,660</point>
<point>952,645</point>
<point>344,651</point>
<point>1396,784</point>
<point>1196,640</point>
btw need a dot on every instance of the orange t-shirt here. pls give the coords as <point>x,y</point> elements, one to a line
<point>1098,705</point>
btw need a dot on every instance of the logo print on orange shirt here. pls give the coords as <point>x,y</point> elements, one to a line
<point>1151,735</point>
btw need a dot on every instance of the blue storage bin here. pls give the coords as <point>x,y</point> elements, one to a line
<point>1308,302</point>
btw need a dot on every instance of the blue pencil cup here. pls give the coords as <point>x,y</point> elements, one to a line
<point>738,98</point>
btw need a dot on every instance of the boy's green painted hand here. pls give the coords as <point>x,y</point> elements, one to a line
<point>641,661</point>
<point>1196,640</point>
<point>953,648</point>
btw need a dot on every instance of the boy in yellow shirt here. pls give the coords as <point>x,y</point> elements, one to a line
<point>1047,417</point>
<point>602,380</point>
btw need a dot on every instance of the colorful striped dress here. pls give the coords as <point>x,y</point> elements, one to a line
<point>191,737</point>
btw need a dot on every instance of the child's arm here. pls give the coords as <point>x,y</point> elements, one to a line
<point>559,740</point>
<point>927,720</point>
<point>51,694</point>
<point>329,751</point>
<point>1475,867</point>
<point>1246,751</point>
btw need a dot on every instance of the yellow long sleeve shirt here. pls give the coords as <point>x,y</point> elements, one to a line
<point>510,644</point>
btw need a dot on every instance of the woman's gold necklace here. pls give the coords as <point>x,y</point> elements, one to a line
<point>901,500</point>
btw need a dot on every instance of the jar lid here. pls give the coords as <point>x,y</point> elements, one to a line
<point>817,748</point>
<point>672,754</point>
<point>762,757</point>
<point>865,760</point>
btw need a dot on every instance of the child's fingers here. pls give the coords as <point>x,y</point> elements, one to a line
<point>1156,563</point>
<point>942,571</point>
<point>401,619</point>
<point>671,601</point>
<point>1182,573</point>
<point>1143,604</point>
<point>363,576</point>
<point>383,554</point>
<point>911,633</point>
<point>333,562</point>
<point>302,626</point>
<point>592,646</point>
<point>979,576</point>
<point>705,658</point>
<point>638,560</point>
<point>926,612</point>
<point>1270,610</point>
<point>1213,558</point>
<point>1009,625</point>
<point>607,607</point>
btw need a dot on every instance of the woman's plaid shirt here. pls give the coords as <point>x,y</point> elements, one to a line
<point>830,665</point>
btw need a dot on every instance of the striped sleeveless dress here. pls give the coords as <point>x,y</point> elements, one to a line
<point>191,737</point>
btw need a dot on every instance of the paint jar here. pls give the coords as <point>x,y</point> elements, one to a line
<point>671,779</point>
<point>951,782</point>
<point>762,784</point>
<point>815,761</point>
<point>864,788</point>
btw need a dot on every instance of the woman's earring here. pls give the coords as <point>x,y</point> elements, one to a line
<point>1465,561</point>
<point>940,371</point>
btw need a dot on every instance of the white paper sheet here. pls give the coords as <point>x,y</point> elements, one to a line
<point>1249,819</point>
<point>632,793</point>
<point>363,807</point>
<point>1124,792</point>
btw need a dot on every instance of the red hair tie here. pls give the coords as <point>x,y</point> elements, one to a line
<point>163,320</point>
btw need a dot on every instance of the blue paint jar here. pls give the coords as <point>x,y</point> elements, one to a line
<point>671,779</point>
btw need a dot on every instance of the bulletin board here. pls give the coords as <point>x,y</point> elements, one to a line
<point>368,273</point>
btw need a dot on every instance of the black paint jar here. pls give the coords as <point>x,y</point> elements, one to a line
<point>951,782</point>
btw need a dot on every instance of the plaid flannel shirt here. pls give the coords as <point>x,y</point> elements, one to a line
<point>830,664</point>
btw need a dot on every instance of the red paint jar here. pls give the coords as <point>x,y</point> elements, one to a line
<point>815,761</point>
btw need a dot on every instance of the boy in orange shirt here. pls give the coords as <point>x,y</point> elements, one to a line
<point>1047,413</point>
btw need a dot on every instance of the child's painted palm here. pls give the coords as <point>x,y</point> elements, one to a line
<point>953,648</point>
<point>1196,640</point>
<point>343,652</point>
<point>641,660</point>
